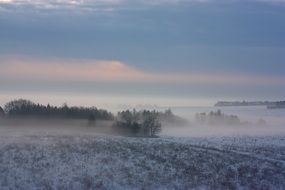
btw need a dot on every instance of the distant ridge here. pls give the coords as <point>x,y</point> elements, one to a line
<point>268,104</point>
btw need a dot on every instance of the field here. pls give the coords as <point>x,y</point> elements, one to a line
<point>93,161</point>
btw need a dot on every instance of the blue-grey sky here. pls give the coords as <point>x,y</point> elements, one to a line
<point>172,49</point>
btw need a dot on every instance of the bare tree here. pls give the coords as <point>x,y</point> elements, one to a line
<point>144,123</point>
<point>151,124</point>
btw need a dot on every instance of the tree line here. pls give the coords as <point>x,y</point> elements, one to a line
<point>27,108</point>
<point>217,118</point>
<point>136,123</point>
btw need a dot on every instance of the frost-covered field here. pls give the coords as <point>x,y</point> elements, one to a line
<point>109,162</point>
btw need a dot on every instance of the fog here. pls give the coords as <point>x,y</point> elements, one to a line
<point>47,127</point>
<point>206,131</point>
<point>254,121</point>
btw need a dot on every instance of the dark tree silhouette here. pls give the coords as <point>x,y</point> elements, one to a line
<point>26,108</point>
<point>91,119</point>
<point>143,123</point>
<point>151,123</point>
<point>2,113</point>
<point>19,106</point>
<point>128,121</point>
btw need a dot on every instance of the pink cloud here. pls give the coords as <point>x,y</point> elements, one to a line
<point>22,68</point>
<point>56,69</point>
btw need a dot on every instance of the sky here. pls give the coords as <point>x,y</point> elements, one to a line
<point>139,52</point>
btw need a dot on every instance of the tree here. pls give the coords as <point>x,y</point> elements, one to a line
<point>18,106</point>
<point>219,112</point>
<point>129,121</point>
<point>151,124</point>
<point>168,112</point>
<point>2,113</point>
<point>91,119</point>
<point>143,123</point>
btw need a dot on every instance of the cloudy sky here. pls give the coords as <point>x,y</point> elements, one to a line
<point>129,52</point>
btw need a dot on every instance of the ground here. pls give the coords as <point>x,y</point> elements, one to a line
<point>110,162</point>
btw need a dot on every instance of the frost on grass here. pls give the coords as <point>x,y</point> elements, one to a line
<point>107,162</point>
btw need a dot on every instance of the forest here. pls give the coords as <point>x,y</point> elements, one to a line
<point>143,123</point>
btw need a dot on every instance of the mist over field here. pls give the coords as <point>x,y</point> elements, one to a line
<point>142,94</point>
<point>50,147</point>
<point>252,121</point>
<point>64,156</point>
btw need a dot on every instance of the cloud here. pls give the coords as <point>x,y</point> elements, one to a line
<point>55,69</point>
<point>93,5</point>
<point>83,5</point>
<point>104,5</point>
<point>23,68</point>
